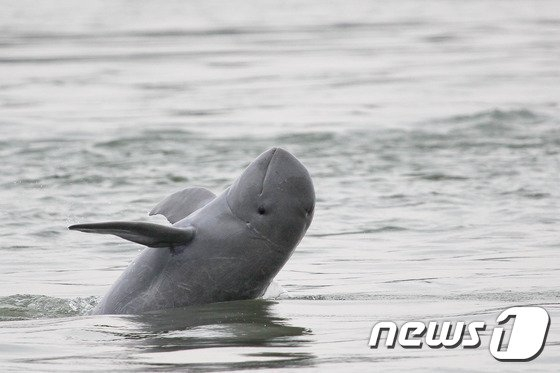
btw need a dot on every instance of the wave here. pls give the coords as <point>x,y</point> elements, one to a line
<point>549,297</point>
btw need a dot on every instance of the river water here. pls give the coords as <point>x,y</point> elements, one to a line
<point>431,130</point>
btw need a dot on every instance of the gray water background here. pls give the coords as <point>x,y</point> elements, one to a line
<point>431,130</point>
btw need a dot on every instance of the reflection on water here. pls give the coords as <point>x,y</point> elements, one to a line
<point>230,323</point>
<point>238,334</point>
<point>231,335</point>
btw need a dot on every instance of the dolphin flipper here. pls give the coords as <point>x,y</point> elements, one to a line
<point>181,204</point>
<point>148,234</point>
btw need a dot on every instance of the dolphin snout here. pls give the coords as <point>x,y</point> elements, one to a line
<point>280,157</point>
<point>277,152</point>
<point>284,169</point>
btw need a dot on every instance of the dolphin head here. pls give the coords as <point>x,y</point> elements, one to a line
<point>275,197</point>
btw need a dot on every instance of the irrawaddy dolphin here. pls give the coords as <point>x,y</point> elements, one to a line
<point>219,248</point>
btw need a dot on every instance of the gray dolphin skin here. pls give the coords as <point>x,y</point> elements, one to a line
<point>219,248</point>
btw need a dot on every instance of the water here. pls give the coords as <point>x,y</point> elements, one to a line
<point>431,130</point>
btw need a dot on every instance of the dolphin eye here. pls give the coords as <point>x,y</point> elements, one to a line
<point>261,210</point>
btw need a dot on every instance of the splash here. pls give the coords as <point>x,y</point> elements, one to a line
<point>30,306</point>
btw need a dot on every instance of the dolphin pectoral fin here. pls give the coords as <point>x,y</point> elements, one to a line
<point>148,234</point>
<point>183,203</point>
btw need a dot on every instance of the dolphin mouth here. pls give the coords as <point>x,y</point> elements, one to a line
<point>271,244</point>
